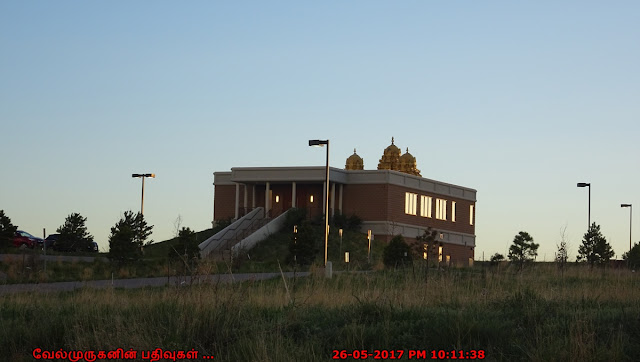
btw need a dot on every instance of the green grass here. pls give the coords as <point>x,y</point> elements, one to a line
<point>536,315</point>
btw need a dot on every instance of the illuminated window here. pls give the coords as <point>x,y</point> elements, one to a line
<point>453,211</point>
<point>277,199</point>
<point>448,259</point>
<point>410,203</point>
<point>425,206</point>
<point>440,253</point>
<point>311,198</point>
<point>441,209</point>
<point>471,215</point>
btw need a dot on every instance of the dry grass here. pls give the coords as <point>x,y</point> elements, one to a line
<point>534,315</point>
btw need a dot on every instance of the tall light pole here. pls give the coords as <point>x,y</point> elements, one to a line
<point>326,201</point>
<point>143,175</point>
<point>630,222</point>
<point>584,184</point>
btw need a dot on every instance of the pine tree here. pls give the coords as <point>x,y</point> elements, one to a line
<point>523,249</point>
<point>303,248</point>
<point>74,235</point>
<point>128,236</point>
<point>397,253</point>
<point>7,231</point>
<point>633,257</point>
<point>595,249</point>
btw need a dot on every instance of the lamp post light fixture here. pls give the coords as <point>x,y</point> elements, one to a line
<point>630,223</point>
<point>321,143</point>
<point>143,175</point>
<point>584,184</point>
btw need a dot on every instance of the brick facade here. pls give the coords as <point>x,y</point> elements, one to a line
<point>379,204</point>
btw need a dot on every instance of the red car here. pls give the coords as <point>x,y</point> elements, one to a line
<point>23,239</point>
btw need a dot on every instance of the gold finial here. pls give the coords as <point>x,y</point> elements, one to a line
<point>407,149</point>
<point>391,139</point>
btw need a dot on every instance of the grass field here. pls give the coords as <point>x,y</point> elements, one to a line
<point>534,315</point>
<point>28,266</point>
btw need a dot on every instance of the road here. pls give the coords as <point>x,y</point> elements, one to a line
<point>69,258</point>
<point>140,282</point>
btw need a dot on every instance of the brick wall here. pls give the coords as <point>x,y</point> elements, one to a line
<point>369,202</point>
<point>396,197</point>
<point>224,202</point>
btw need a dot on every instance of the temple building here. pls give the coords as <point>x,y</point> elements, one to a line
<point>393,199</point>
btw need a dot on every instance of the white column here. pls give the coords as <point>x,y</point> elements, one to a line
<point>253,197</point>
<point>237,199</point>
<point>213,219</point>
<point>246,196</point>
<point>293,194</point>
<point>266,199</point>
<point>340,198</point>
<point>333,198</point>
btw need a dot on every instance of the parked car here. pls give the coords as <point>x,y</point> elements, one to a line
<point>52,242</point>
<point>23,239</point>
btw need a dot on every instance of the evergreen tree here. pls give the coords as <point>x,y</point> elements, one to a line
<point>633,257</point>
<point>397,253</point>
<point>595,249</point>
<point>523,249</point>
<point>303,248</point>
<point>187,246</point>
<point>128,236</point>
<point>7,231</point>
<point>74,235</point>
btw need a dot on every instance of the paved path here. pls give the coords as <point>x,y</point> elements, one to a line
<point>71,258</point>
<point>140,282</point>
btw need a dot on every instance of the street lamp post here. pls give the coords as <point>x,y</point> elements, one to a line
<point>630,223</point>
<point>143,175</point>
<point>584,184</point>
<point>326,201</point>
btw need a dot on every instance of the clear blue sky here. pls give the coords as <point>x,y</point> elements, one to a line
<point>519,100</point>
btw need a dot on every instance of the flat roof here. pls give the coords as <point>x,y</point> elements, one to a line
<point>261,175</point>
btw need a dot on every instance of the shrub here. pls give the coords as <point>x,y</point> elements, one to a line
<point>397,253</point>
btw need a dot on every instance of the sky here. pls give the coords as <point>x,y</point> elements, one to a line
<point>518,100</point>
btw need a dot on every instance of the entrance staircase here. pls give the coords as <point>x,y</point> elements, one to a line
<point>242,234</point>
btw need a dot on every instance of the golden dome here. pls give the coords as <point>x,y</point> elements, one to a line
<point>408,164</point>
<point>407,157</point>
<point>392,150</point>
<point>354,162</point>
<point>390,158</point>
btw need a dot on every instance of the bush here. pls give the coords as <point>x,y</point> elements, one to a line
<point>397,253</point>
<point>303,247</point>
<point>351,223</point>
<point>294,217</point>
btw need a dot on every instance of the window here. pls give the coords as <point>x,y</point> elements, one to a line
<point>311,198</point>
<point>453,211</point>
<point>425,206</point>
<point>441,209</point>
<point>410,203</point>
<point>440,253</point>
<point>471,215</point>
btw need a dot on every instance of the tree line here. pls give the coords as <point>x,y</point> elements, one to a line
<point>126,240</point>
